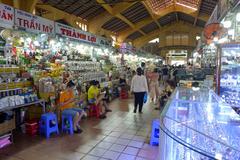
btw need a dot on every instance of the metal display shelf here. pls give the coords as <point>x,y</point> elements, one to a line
<point>41,102</point>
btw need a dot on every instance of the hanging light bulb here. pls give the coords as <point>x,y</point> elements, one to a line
<point>227,24</point>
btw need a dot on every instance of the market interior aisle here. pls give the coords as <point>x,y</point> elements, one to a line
<point>122,136</point>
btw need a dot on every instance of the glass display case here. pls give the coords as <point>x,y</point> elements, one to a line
<point>197,125</point>
<point>229,86</point>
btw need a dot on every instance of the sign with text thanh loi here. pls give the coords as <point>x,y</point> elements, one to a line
<point>32,23</point>
<point>6,16</point>
<point>70,32</point>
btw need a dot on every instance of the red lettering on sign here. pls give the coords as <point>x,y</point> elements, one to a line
<point>20,21</point>
<point>69,33</point>
<point>32,25</point>
<point>47,29</point>
<point>74,34</point>
<point>25,23</point>
<point>5,15</point>
<point>63,31</point>
<point>51,29</point>
<point>77,35</point>
<point>93,39</point>
<point>10,17</point>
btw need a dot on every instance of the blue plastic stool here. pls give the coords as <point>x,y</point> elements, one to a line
<point>67,127</point>
<point>48,124</point>
<point>154,141</point>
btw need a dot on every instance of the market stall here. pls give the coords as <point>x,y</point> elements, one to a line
<point>37,58</point>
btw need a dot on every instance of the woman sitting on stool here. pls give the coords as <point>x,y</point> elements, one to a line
<point>97,98</point>
<point>67,102</point>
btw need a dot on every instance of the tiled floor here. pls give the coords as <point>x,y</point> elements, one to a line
<point>122,136</point>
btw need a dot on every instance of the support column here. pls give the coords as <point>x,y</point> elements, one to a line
<point>27,5</point>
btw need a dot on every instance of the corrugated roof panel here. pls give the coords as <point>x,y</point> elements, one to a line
<point>134,35</point>
<point>207,6</point>
<point>186,17</point>
<point>136,13</point>
<point>85,9</point>
<point>169,18</point>
<point>149,28</point>
<point>115,24</point>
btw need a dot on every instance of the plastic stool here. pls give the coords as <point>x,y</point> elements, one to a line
<point>155,133</point>
<point>94,110</point>
<point>67,127</point>
<point>123,94</point>
<point>48,124</point>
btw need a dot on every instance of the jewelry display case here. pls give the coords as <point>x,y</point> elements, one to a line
<point>197,125</point>
<point>229,77</point>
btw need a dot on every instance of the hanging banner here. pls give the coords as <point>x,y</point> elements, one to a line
<point>6,16</point>
<point>70,32</point>
<point>32,23</point>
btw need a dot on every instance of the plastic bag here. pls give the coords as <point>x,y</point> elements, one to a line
<point>145,98</point>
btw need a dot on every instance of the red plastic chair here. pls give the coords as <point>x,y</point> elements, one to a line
<point>94,110</point>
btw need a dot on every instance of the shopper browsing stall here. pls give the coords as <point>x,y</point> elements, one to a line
<point>139,87</point>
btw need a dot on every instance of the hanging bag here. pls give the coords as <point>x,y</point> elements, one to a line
<point>145,98</point>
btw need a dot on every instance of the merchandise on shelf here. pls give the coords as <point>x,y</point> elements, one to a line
<point>83,66</point>
<point>16,97</point>
<point>209,56</point>
<point>229,78</point>
<point>10,78</point>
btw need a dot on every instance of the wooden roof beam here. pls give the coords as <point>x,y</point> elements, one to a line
<point>174,8</point>
<point>118,14</point>
<point>154,17</point>
<point>179,26</point>
<point>197,13</point>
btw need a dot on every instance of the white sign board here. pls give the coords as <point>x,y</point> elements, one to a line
<point>6,16</point>
<point>32,23</point>
<point>70,32</point>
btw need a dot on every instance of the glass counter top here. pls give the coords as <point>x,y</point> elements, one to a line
<point>200,121</point>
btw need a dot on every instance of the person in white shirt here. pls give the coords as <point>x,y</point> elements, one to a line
<point>139,87</point>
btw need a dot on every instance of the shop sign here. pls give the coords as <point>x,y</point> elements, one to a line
<point>104,41</point>
<point>32,23</point>
<point>6,16</point>
<point>70,32</point>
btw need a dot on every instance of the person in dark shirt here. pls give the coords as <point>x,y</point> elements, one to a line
<point>143,65</point>
<point>165,75</point>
